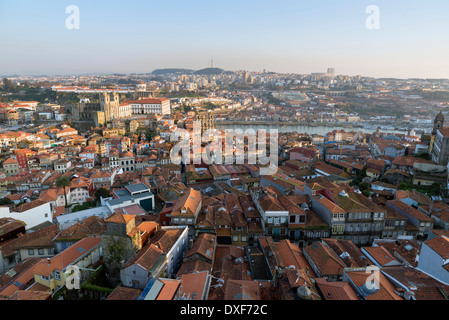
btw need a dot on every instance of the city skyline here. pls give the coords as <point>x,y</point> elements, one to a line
<point>285,37</point>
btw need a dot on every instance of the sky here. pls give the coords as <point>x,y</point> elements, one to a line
<point>139,36</point>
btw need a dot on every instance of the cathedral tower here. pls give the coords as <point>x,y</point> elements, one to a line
<point>438,123</point>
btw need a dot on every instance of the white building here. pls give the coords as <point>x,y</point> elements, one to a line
<point>62,166</point>
<point>32,213</point>
<point>434,258</point>
<point>149,106</point>
<point>125,110</point>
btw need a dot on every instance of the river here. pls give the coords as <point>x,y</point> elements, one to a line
<point>321,130</point>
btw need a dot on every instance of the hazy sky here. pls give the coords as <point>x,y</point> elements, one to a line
<point>277,35</point>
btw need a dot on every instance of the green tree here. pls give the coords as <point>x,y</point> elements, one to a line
<point>5,201</point>
<point>8,85</point>
<point>63,182</point>
<point>102,192</point>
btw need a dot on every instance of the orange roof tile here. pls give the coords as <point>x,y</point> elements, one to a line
<point>336,290</point>
<point>169,289</point>
<point>63,259</point>
<point>440,245</point>
<point>381,255</point>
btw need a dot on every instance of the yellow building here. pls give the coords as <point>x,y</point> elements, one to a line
<point>53,272</point>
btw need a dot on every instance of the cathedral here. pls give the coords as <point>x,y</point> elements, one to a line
<point>438,123</point>
<point>98,113</point>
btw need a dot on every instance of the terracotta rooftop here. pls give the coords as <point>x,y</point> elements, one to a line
<point>121,218</point>
<point>194,266</point>
<point>229,264</point>
<point>440,245</point>
<point>38,238</point>
<point>242,290</point>
<point>406,249</point>
<point>203,245</point>
<point>169,289</point>
<point>340,290</point>
<point>381,255</point>
<point>189,203</point>
<point>292,255</point>
<point>18,277</point>
<point>423,286</point>
<point>409,210</point>
<point>349,253</point>
<point>325,259</point>
<point>86,227</point>
<point>30,295</point>
<point>146,258</point>
<point>386,290</point>
<point>193,285</point>
<point>9,224</point>
<point>124,293</point>
<point>29,205</point>
<point>63,259</point>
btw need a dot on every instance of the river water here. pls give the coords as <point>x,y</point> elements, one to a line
<point>321,130</point>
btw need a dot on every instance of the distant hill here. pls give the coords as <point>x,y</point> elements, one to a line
<point>206,71</point>
<point>158,72</point>
<point>210,71</point>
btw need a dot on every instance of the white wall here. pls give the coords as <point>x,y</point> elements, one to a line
<point>431,263</point>
<point>32,217</point>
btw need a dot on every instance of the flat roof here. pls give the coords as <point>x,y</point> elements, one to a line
<point>138,187</point>
<point>81,215</point>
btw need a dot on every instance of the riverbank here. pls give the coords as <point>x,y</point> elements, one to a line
<point>288,123</point>
<point>300,127</point>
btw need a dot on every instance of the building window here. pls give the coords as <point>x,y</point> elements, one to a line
<point>57,275</point>
<point>31,252</point>
<point>40,251</point>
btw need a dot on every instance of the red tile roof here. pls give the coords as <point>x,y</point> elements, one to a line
<point>381,255</point>
<point>63,259</point>
<point>124,293</point>
<point>327,262</point>
<point>386,290</point>
<point>440,245</point>
<point>193,285</point>
<point>340,290</point>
